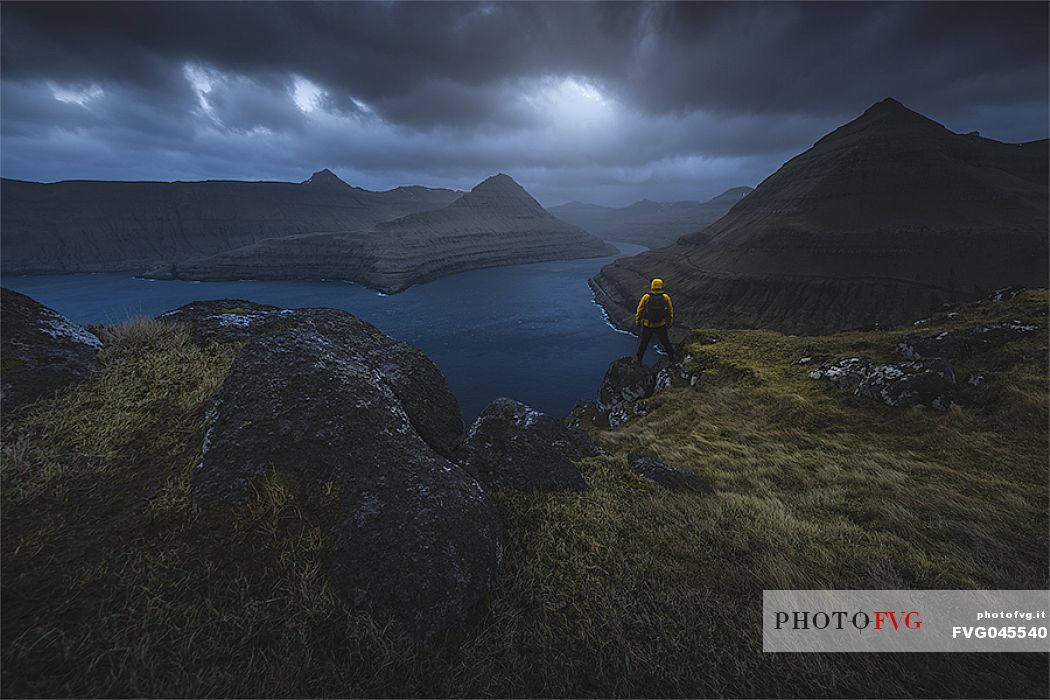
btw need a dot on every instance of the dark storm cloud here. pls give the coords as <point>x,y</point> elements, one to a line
<point>820,57</point>
<point>615,101</point>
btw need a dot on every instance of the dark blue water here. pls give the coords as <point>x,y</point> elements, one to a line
<point>530,332</point>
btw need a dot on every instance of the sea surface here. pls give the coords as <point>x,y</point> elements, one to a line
<point>528,332</point>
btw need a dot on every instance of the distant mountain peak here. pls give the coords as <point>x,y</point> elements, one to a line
<point>884,117</point>
<point>500,182</point>
<point>892,111</point>
<point>325,178</point>
<point>502,190</point>
<point>888,105</point>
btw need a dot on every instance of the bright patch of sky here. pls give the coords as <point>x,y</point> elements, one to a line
<point>201,81</point>
<point>307,94</point>
<point>571,102</point>
<point>73,95</point>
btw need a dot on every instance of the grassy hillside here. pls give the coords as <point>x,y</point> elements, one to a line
<point>114,583</point>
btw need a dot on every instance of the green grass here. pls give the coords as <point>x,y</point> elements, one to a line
<point>114,583</point>
<point>10,363</point>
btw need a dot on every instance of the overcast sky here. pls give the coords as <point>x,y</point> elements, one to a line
<point>607,103</point>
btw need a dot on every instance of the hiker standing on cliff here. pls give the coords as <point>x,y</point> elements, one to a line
<point>654,314</point>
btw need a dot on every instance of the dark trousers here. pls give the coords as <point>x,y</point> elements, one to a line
<point>661,334</point>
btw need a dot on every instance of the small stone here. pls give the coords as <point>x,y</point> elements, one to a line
<point>664,379</point>
<point>671,478</point>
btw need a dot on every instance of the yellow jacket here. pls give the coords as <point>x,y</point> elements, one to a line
<point>639,313</point>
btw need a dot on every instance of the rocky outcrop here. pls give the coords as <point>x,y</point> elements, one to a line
<point>625,380</point>
<point>652,224</point>
<point>87,226</point>
<point>511,446</point>
<point>626,386</point>
<point>959,344</point>
<point>41,351</point>
<point>1006,293</point>
<point>496,223</point>
<point>925,375</point>
<point>670,478</point>
<point>924,383</point>
<point>413,540</point>
<point>413,377</point>
<point>881,221</point>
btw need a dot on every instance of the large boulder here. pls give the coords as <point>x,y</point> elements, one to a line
<point>223,320</point>
<point>511,446</point>
<point>415,541</point>
<point>670,478</point>
<point>413,377</point>
<point>41,350</point>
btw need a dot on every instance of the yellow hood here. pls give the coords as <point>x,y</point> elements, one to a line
<point>657,286</point>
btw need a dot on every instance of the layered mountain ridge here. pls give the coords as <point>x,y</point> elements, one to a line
<point>881,220</point>
<point>649,223</point>
<point>93,226</point>
<point>496,223</point>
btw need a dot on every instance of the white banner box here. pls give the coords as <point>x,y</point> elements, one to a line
<point>904,621</point>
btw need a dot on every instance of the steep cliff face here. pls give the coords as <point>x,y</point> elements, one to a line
<point>879,221</point>
<point>496,223</point>
<point>649,223</point>
<point>77,226</point>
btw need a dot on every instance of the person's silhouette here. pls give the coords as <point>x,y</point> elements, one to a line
<point>654,314</point>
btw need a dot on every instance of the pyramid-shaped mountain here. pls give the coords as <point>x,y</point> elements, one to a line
<point>880,221</point>
<point>496,223</point>
<point>325,179</point>
<point>92,226</point>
